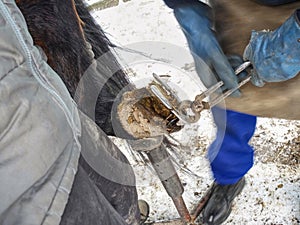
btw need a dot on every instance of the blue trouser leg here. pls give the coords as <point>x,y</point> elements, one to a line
<point>230,154</point>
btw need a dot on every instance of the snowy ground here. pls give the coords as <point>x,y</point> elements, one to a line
<point>272,193</point>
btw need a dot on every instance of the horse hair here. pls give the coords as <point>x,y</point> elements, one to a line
<point>65,30</point>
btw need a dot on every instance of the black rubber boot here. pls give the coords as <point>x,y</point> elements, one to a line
<point>219,205</point>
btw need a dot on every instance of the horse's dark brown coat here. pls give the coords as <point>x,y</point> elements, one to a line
<point>65,30</point>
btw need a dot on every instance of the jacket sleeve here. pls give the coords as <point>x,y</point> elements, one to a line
<point>39,129</point>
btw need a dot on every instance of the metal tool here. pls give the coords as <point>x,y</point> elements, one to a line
<point>189,111</point>
<point>160,159</point>
<point>162,164</point>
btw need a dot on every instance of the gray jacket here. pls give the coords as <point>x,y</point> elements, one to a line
<point>39,129</point>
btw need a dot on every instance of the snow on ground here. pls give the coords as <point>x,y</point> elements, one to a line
<point>272,193</point>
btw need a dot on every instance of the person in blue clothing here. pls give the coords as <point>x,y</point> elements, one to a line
<point>230,154</point>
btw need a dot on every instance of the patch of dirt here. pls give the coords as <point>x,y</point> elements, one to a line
<point>277,141</point>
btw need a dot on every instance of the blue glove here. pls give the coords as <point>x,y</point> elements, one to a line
<point>275,56</point>
<point>195,20</point>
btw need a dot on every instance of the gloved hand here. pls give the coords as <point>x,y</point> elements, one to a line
<point>195,20</point>
<point>275,56</point>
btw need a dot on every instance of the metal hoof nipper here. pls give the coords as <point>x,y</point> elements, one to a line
<point>189,111</point>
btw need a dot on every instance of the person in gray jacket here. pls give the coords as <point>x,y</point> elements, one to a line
<point>44,178</point>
